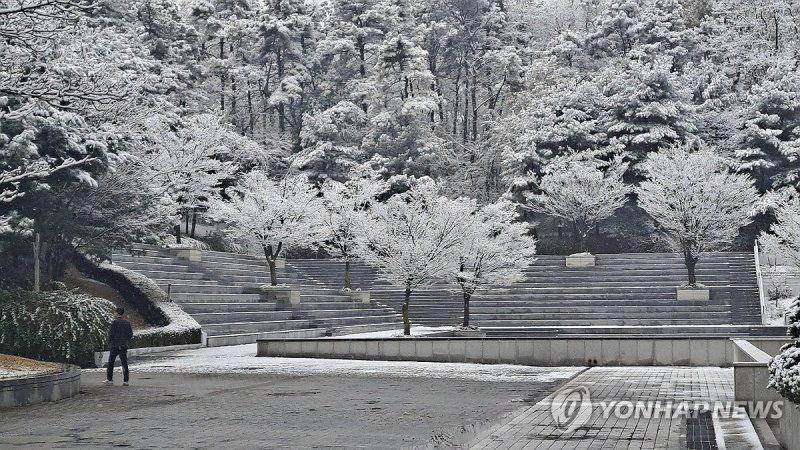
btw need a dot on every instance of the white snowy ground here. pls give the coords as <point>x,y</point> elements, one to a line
<point>10,372</point>
<point>242,359</point>
<point>777,309</point>
<point>416,330</point>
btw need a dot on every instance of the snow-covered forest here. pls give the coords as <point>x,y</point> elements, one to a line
<point>124,120</point>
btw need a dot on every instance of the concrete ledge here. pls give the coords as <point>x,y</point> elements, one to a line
<point>693,294</point>
<point>43,388</point>
<point>189,254</point>
<point>358,296</point>
<point>750,379</point>
<point>559,351</point>
<point>101,358</point>
<point>581,260</point>
<point>283,295</point>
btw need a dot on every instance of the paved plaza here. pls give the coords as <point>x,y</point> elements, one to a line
<point>535,426</point>
<point>226,397</point>
<point>188,400</point>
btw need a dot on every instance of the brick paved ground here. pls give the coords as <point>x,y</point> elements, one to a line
<point>168,410</point>
<point>534,426</point>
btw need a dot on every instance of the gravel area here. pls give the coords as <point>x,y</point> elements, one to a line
<point>17,367</point>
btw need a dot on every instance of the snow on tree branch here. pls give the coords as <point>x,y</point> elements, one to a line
<point>783,238</point>
<point>271,215</point>
<point>582,190</point>
<point>699,204</point>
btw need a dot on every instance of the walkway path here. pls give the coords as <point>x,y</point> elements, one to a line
<point>535,426</point>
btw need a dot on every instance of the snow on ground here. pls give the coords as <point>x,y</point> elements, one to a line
<point>10,372</point>
<point>415,331</point>
<point>775,310</point>
<point>242,359</point>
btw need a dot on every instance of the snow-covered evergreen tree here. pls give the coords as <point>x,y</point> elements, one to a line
<point>767,141</point>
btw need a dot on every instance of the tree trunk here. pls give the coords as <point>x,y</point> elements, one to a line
<point>474,95</point>
<point>271,257</point>
<point>273,272</point>
<point>222,75</point>
<point>347,274</point>
<point>186,217</point>
<point>177,234</point>
<point>406,319</point>
<point>467,297</point>
<point>690,259</point>
<point>580,238</point>
<point>37,246</point>
<point>194,223</point>
<point>281,108</point>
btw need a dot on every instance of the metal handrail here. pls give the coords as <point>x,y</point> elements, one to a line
<point>759,277</point>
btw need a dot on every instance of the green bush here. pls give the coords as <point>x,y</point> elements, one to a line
<point>61,326</point>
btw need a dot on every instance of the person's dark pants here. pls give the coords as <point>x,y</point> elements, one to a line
<point>122,352</point>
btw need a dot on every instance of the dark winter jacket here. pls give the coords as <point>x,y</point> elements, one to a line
<point>120,333</point>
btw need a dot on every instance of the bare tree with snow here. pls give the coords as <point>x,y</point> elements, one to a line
<point>582,190</point>
<point>699,204</point>
<point>345,206</point>
<point>494,250</point>
<point>783,238</point>
<point>413,239</point>
<point>273,215</point>
<point>188,161</point>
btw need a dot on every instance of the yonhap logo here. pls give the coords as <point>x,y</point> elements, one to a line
<point>571,408</point>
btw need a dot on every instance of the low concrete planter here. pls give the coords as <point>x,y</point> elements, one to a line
<point>189,254</point>
<point>547,352</point>
<point>581,260</point>
<point>42,388</point>
<point>284,295</point>
<point>358,296</point>
<point>693,294</point>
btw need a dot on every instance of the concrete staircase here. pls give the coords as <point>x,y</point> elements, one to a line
<point>218,292</point>
<point>436,305</point>
<point>623,294</point>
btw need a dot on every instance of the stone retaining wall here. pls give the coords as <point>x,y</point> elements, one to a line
<point>42,388</point>
<point>562,351</point>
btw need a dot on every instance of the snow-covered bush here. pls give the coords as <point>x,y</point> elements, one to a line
<point>62,326</point>
<point>784,371</point>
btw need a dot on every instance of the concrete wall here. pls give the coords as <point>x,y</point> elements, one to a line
<point>751,375</point>
<point>787,429</point>
<point>44,388</point>
<point>578,351</point>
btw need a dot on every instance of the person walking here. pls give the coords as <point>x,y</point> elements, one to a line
<point>119,335</point>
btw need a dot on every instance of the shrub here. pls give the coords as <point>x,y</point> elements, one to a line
<point>60,326</point>
<point>784,372</point>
